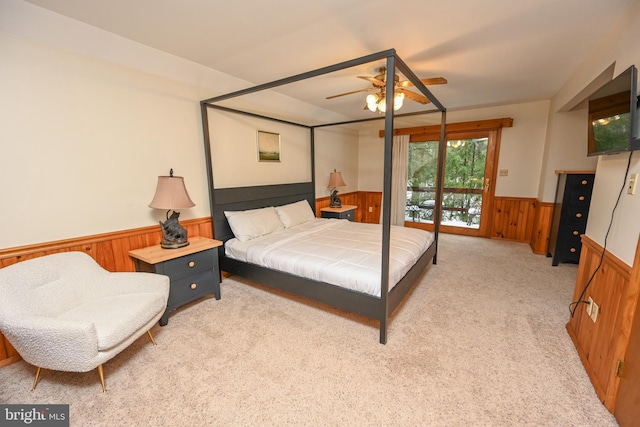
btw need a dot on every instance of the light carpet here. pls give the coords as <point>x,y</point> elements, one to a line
<point>481,341</point>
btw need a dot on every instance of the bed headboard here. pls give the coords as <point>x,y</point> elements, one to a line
<point>261,196</point>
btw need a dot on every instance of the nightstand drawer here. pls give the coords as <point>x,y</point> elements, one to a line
<point>189,264</point>
<point>191,287</point>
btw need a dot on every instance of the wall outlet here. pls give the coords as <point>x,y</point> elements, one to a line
<point>589,306</point>
<point>370,209</point>
<point>632,183</point>
<point>504,172</point>
<point>594,311</point>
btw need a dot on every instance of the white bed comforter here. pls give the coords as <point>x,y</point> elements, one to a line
<point>334,251</point>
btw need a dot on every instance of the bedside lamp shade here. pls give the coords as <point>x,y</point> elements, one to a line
<point>171,194</point>
<point>335,180</point>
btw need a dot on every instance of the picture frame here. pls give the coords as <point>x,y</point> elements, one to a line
<point>269,149</point>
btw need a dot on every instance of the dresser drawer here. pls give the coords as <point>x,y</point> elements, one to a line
<point>189,264</point>
<point>577,214</point>
<point>580,197</point>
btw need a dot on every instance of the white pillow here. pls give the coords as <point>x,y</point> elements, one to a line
<point>247,225</point>
<point>295,213</point>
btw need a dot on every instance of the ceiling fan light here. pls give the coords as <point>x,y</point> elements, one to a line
<point>382,105</point>
<point>372,103</point>
<point>398,100</point>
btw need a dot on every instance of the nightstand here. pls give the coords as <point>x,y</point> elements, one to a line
<point>193,270</point>
<point>345,212</point>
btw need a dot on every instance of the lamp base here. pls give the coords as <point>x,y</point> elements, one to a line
<point>173,245</point>
<point>335,200</point>
<point>174,235</point>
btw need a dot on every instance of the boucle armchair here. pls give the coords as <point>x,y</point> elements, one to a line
<point>65,312</point>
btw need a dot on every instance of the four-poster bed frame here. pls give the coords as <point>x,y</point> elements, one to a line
<point>245,198</point>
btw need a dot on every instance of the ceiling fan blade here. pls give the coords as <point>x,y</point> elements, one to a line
<point>414,96</point>
<point>429,81</point>
<point>373,80</point>
<point>352,92</point>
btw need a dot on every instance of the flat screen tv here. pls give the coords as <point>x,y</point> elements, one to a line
<point>613,116</point>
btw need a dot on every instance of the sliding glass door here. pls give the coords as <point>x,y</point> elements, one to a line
<point>467,183</point>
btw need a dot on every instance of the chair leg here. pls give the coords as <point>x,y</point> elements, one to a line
<point>151,337</point>
<point>35,382</point>
<point>101,372</point>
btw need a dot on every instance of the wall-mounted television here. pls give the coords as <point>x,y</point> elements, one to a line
<point>613,116</point>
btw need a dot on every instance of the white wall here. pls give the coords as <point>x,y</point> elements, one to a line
<point>336,148</point>
<point>567,149</point>
<point>620,46</point>
<point>88,120</point>
<point>235,157</point>
<point>83,142</point>
<point>521,147</point>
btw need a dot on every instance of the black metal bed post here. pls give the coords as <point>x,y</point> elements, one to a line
<point>440,181</point>
<point>312,138</point>
<point>207,154</point>
<point>386,198</point>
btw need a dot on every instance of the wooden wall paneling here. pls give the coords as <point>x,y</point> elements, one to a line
<point>372,200</point>
<point>601,344</point>
<point>540,227</point>
<point>110,250</point>
<point>512,219</point>
<point>628,398</point>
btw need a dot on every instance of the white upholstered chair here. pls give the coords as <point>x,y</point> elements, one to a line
<point>65,312</point>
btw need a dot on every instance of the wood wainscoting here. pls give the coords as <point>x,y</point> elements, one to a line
<point>368,202</point>
<point>523,220</point>
<point>541,227</point>
<point>602,345</point>
<point>110,250</point>
<point>512,218</point>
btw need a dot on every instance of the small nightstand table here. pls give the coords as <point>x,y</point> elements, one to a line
<point>345,212</point>
<point>193,270</point>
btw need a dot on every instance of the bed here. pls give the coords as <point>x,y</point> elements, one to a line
<point>375,301</point>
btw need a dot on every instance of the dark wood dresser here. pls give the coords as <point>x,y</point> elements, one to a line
<point>570,212</point>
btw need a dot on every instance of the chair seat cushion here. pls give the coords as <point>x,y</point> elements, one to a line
<point>118,317</point>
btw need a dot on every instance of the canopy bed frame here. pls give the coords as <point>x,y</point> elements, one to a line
<point>245,198</point>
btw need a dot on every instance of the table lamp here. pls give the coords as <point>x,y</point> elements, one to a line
<point>171,194</point>
<point>335,180</point>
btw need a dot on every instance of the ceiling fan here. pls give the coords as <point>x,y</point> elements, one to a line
<point>377,101</point>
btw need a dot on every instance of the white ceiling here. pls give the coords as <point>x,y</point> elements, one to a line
<point>492,52</point>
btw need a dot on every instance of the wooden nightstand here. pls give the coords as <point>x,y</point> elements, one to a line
<point>193,270</point>
<point>345,212</point>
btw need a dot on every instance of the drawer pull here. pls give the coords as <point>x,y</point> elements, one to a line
<point>576,232</point>
<point>193,286</point>
<point>585,182</point>
<point>581,198</point>
<point>191,264</point>
<point>578,215</point>
<point>572,250</point>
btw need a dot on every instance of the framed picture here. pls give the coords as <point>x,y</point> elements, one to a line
<point>268,146</point>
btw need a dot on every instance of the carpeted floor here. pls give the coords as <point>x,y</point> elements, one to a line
<point>481,341</point>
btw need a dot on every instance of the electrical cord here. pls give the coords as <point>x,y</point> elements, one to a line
<point>574,305</point>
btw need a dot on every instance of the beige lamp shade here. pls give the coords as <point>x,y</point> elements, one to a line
<point>171,193</point>
<point>335,180</point>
